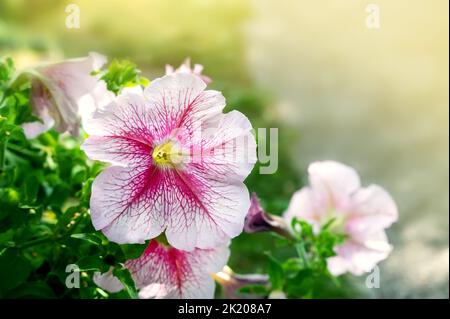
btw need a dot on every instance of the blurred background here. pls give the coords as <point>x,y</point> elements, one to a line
<point>373,98</point>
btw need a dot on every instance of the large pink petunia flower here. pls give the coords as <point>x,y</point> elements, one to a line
<point>63,94</point>
<point>169,273</point>
<point>362,214</point>
<point>178,165</point>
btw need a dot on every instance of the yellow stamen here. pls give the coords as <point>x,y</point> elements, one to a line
<point>166,154</point>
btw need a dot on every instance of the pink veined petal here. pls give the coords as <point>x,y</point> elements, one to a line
<point>226,149</point>
<point>131,205</point>
<point>359,258</point>
<point>201,212</point>
<point>178,103</point>
<point>127,116</point>
<point>157,291</point>
<point>122,204</point>
<point>120,134</point>
<point>372,210</point>
<point>172,273</point>
<point>108,281</point>
<point>333,182</point>
<point>117,150</point>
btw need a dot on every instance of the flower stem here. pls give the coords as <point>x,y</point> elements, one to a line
<point>22,151</point>
<point>302,253</point>
<point>2,155</point>
<point>35,242</point>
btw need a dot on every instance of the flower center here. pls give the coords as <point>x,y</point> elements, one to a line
<point>337,225</point>
<point>167,154</point>
<point>335,222</point>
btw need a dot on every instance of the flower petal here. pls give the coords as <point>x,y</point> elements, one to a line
<point>156,291</point>
<point>122,204</point>
<point>108,281</point>
<point>373,209</point>
<point>69,82</point>
<point>127,116</point>
<point>359,258</point>
<point>119,150</point>
<point>333,182</point>
<point>305,205</point>
<point>206,212</point>
<point>227,149</point>
<point>34,129</point>
<point>131,205</point>
<point>178,102</point>
<point>164,272</point>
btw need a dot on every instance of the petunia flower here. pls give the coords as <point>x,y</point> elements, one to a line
<point>360,213</point>
<point>169,273</point>
<point>178,165</point>
<point>186,68</point>
<point>64,93</point>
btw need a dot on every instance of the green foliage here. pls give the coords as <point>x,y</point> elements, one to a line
<point>303,273</point>
<point>276,273</point>
<point>124,276</point>
<point>45,186</point>
<point>6,70</point>
<point>122,74</point>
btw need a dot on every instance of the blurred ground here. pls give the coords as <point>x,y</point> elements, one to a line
<point>376,99</point>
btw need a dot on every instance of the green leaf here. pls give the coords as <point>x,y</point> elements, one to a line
<point>29,190</point>
<point>276,274</point>
<point>92,263</point>
<point>301,251</point>
<point>125,278</point>
<point>121,74</point>
<point>14,269</point>
<point>132,251</point>
<point>292,265</point>
<point>301,285</point>
<point>6,70</point>
<point>78,174</point>
<point>92,238</point>
<point>306,229</point>
<point>6,238</point>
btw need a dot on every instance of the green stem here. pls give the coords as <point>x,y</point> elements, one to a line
<point>35,242</point>
<point>22,151</point>
<point>50,239</point>
<point>2,155</point>
<point>302,253</point>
